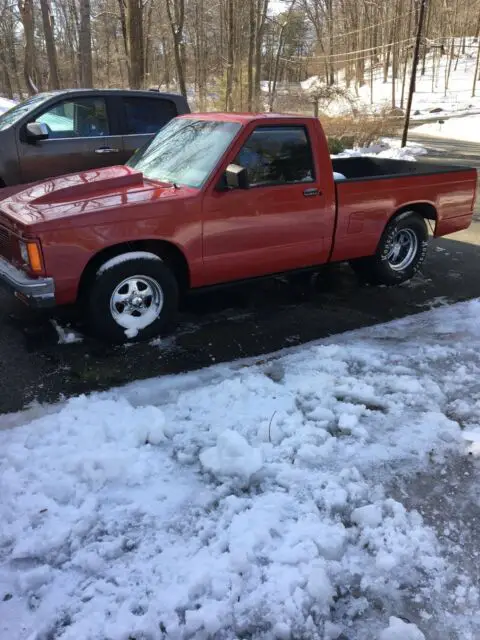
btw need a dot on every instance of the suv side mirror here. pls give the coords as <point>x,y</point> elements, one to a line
<point>36,131</point>
<point>236,177</point>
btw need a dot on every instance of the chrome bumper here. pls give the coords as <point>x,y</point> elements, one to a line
<point>37,292</point>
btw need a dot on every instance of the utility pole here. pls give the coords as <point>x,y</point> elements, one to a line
<point>416,55</point>
<point>477,66</point>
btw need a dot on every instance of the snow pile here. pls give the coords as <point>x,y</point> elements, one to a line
<point>386,148</point>
<point>245,500</point>
<point>466,128</point>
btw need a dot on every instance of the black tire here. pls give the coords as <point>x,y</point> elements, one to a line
<point>385,268</point>
<point>161,309</point>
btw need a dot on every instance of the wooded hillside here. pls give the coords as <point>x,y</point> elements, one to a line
<point>219,52</point>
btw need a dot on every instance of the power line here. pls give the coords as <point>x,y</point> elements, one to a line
<point>372,26</point>
<point>346,56</point>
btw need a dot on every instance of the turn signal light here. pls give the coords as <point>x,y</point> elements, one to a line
<point>34,257</point>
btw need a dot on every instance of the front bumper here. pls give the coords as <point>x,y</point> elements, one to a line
<point>37,292</point>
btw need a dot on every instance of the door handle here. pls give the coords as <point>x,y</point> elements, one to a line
<point>311,192</point>
<point>106,150</point>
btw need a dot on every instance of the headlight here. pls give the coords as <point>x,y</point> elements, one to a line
<point>24,252</point>
<point>31,256</point>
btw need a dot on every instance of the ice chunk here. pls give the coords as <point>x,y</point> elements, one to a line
<point>368,516</point>
<point>232,457</point>
<point>400,630</point>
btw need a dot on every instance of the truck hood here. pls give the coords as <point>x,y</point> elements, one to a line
<point>79,194</point>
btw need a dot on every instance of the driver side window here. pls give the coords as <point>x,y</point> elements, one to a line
<point>78,118</point>
<point>277,155</point>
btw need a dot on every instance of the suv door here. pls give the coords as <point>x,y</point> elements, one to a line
<point>144,117</point>
<point>80,137</point>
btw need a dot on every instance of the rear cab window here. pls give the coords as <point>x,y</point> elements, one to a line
<point>277,155</point>
<point>147,115</point>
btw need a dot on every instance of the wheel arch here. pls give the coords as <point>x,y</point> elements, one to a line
<point>168,251</point>
<point>426,209</point>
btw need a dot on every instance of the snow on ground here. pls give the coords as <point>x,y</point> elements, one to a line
<point>247,500</point>
<point>430,88</point>
<point>5,104</point>
<point>465,128</point>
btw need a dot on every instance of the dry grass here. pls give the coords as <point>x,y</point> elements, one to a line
<point>359,129</point>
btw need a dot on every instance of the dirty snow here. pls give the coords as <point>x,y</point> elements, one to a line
<point>247,500</point>
<point>66,336</point>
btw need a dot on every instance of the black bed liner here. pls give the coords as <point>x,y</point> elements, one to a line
<point>364,168</point>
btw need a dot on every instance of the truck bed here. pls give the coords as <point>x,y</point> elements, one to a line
<point>364,168</point>
<point>443,193</point>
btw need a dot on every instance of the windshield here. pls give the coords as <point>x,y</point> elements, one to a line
<point>185,151</point>
<point>18,111</point>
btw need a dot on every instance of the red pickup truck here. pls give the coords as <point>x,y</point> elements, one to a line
<point>217,198</point>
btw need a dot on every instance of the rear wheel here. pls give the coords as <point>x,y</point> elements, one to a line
<point>400,253</point>
<point>132,298</point>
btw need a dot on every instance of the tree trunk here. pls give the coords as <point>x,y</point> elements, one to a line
<point>262,8</point>
<point>176,18</point>
<point>331,71</point>
<point>85,45</point>
<point>251,53</point>
<point>123,24</point>
<point>6,83</point>
<point>30,71</point>
<point>477,67</point>
<point>230,56</point>
<point>135,44</point>
<point>47,19</point>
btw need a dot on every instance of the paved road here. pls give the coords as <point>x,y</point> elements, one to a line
<point>240,322</point>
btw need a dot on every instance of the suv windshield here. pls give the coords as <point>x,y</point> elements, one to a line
<point>185,151</point>
<point>18,111</point>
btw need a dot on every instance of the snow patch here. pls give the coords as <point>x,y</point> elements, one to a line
<point>463,128</point>
<point>126,257</point>
<point>178,504</point>
<point>6,104</point>
<point>66,336</point>
<point>400,630</point>
<point>232,456</point>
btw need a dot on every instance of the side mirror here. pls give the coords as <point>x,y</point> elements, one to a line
<point>236,177</point>
<point>36,131</point>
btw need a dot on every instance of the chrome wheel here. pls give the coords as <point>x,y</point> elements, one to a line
<point>136,302</point>
<point>403,250</point>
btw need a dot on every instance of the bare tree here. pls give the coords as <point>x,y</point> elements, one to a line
<point>176,17</point>
<point>47,19</point>
<point>85,45</point>
<point>30,70</point>
<point>136,68</point>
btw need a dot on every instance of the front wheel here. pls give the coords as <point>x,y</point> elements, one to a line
<point>400,253</point>
<point>132,298</point>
